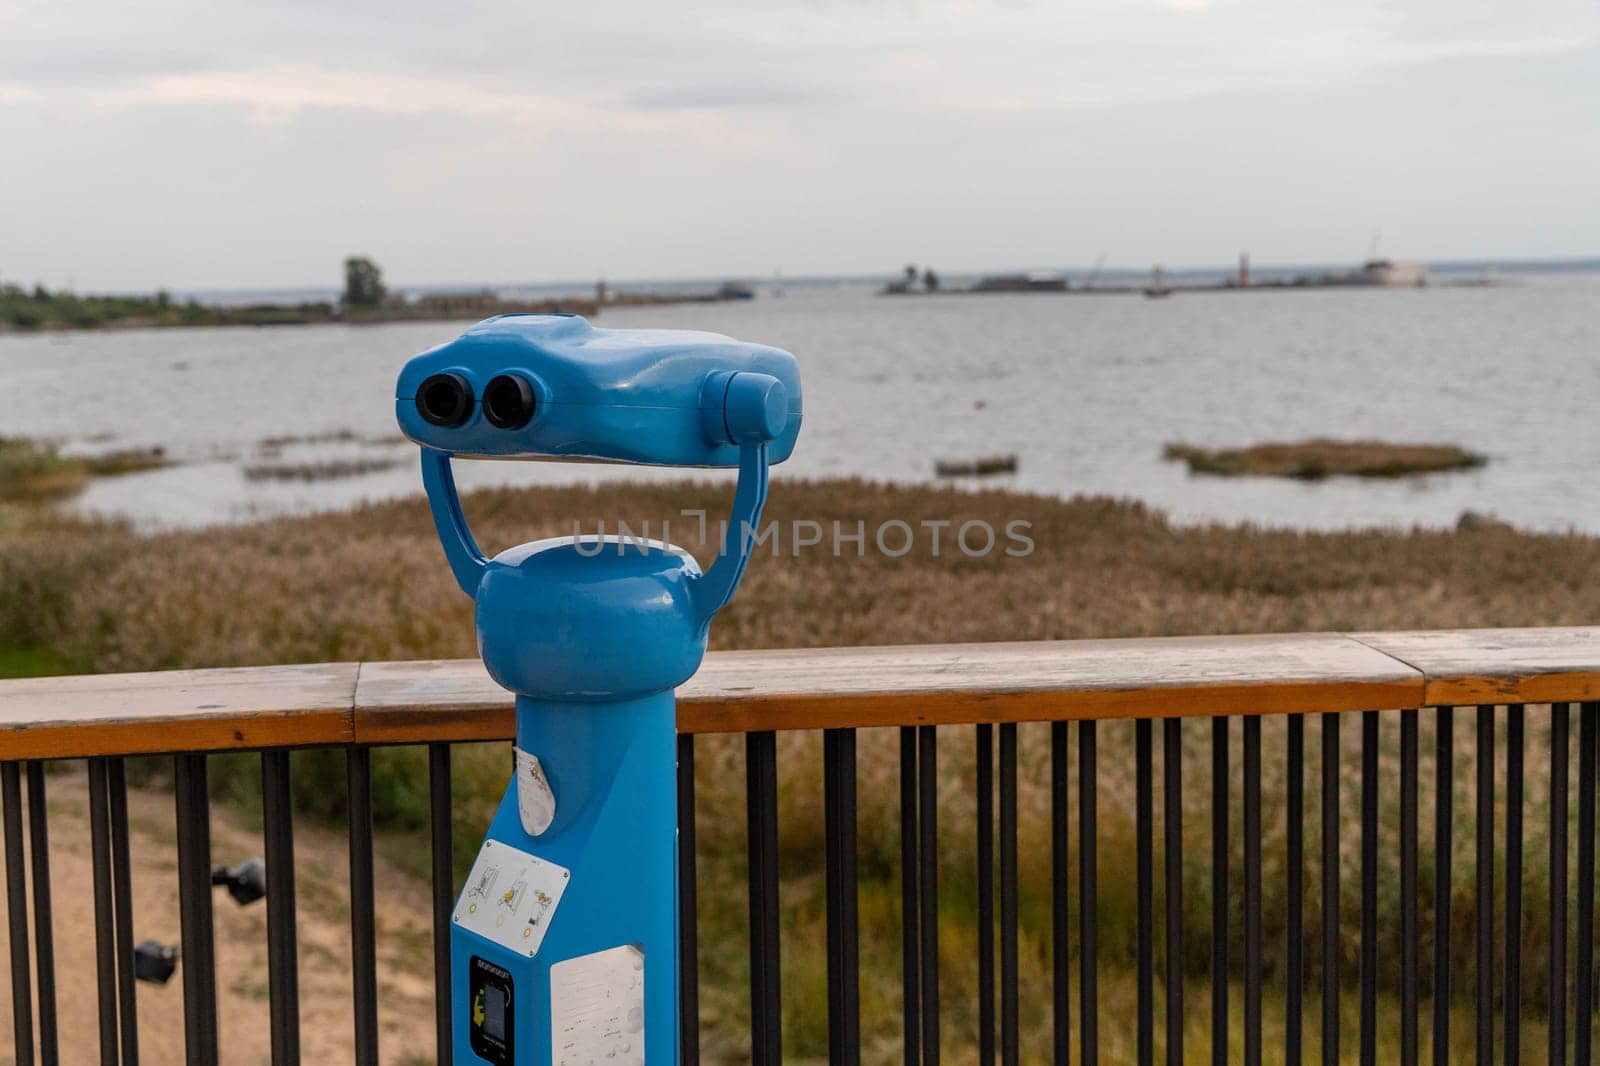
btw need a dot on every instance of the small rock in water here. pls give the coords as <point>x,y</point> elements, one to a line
<point>1474,520</point>
<point>995,464</point>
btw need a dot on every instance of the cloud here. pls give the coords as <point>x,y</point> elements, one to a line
<point>491,61</point>
<point>732,95</point>
<point>605,133</point>
<point>276,94</point>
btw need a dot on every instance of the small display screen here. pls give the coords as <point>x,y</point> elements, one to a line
<point>494,1012</point>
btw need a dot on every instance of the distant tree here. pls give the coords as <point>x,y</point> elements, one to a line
<point>41,293</point>
<point>911,273</point>
<point>163,299</point>
<point>363,282</point>
<point>930,280</point>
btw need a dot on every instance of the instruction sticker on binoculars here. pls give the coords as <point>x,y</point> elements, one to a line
<point>510,897</point>
<point>597,1008</point>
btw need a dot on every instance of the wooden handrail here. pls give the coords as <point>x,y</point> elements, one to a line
<point>416,702</point>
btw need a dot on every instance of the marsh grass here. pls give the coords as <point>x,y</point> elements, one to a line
<point>372,584</point>
<point>1313,460</point>
<point>322,470</point>
<point>277,443</point>
<point>126,461</point>
<point>34,471</point>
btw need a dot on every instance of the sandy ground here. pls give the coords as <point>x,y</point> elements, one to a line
<point>321,865</point>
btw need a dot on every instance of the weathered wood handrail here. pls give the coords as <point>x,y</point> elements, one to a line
<point>416,702</point>
<point>355,705</point>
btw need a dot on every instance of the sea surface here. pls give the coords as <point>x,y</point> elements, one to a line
<point>1084,389</point>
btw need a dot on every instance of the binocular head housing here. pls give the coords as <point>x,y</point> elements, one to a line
<point>553,386</point>
<point>565,618</point>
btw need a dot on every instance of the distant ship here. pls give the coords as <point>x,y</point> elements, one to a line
<point>1158,286</point>
<point>735,290</point>
<point>1391,274</point>
<point>1034,282</point>
<point>1377,273</point>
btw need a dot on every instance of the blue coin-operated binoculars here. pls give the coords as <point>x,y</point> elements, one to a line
<point>564,947</point>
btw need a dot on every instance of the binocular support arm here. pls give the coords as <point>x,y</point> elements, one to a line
<point>467,561</point>
<point>712,592</point>
<point>718,585</point>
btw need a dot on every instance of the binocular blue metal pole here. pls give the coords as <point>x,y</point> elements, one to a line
<point>565,937</point>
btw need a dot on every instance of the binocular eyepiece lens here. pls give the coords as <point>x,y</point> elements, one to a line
<point>508,402</point>
<point>445,400</point>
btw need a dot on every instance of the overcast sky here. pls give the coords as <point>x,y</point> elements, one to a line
<point>239,143</point>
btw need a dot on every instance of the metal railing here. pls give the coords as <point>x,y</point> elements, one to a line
<point>925,693</point>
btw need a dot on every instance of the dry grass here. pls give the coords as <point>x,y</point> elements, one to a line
<point>1313,460</point>
<point>373,584</point>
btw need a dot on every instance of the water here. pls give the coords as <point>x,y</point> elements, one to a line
<point>1084,389</point>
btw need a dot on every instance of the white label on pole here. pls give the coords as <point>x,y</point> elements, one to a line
<point>511,897</point>
<point>536,804</point>
<point>597,1008</point>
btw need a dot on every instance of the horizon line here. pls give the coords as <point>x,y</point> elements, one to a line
<point>1482,262</point>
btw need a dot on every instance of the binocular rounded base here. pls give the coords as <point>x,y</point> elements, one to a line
<point>591,619</point>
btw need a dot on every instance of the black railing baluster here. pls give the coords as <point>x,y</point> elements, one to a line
<point>1497,998</point>
<point>122,887</point>
<point>105,927</point>
<point>44,952</point>
<point>1295,859</point>
<point>1330,889</point>
<point>1408,888</point>
<point>1252,890</point>
<point>928,890</point>
<point>1557,1054</point>
<point>1369,887</point>
<point>761,785</point>
<point>1009,1046</point>
<point>839,816</point>
<point>910,909</point>
<point>1144,830</point>
<point>1511,1000</point>
<point>283,955</point>
<point>985,774</point>
<point>1583,991</point>
<point>442,852</point>
<point>1483,901</point>
<point>1219,891</point>
<point>688,908</point>
<point>1444,784</point>
<point>1059,910</point>
<point>199,963</point>
<point>363,930</point>
<point>1088,898</point>
<point>17,915</point>
<point>1172,863</point>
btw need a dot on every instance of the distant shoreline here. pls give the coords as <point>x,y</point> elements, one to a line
<point>23,313</point>
<point>39,311</point>
<point>290,316</point>
<point>630,288</point>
